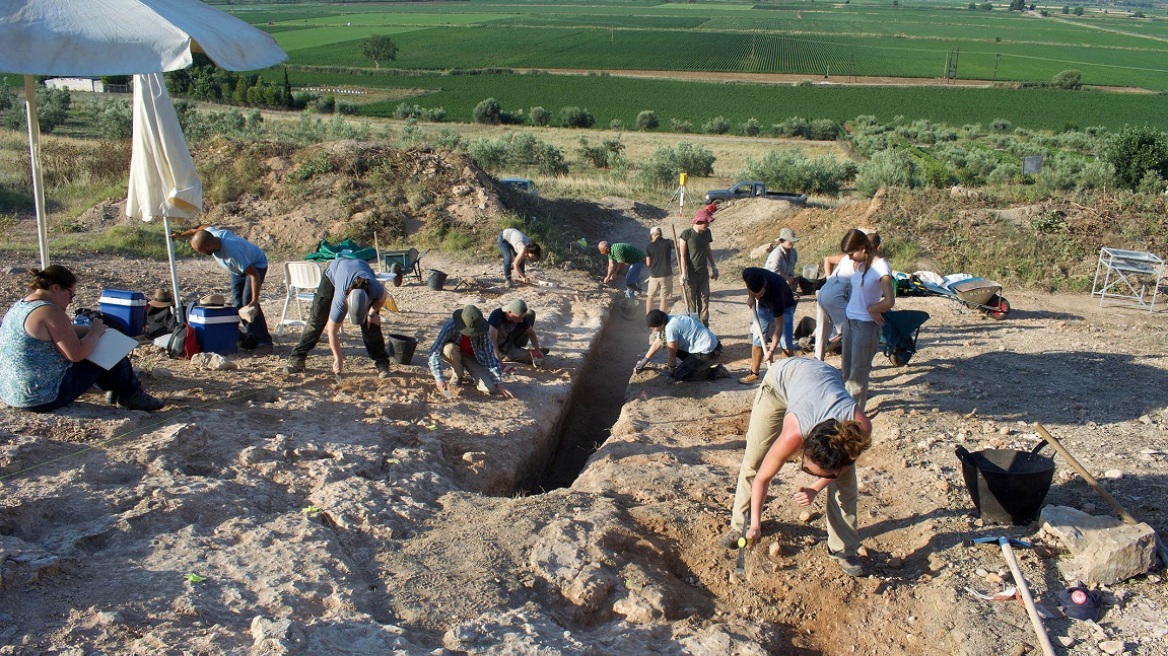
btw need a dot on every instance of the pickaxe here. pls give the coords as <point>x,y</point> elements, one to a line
<point>1020,581</point>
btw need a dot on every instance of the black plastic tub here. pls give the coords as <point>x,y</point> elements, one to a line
<point>1007,486</point>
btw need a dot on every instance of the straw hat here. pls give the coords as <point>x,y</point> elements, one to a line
<point>162,298</point>
<point>213,300</point>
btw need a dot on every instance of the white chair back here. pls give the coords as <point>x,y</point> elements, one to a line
<point>302,279</point>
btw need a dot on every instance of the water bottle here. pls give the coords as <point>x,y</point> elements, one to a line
<point>82,320</point>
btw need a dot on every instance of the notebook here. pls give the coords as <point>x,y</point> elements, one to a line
<point>112,346</point>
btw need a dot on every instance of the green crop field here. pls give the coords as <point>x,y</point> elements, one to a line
<point>854,39</point>
<point>614,98</point>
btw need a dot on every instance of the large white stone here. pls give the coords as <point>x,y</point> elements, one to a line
<point>1103,549</point>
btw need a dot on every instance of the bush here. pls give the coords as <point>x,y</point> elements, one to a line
<point>1068,80</point>
<point>539,116</point>
<point>716,125</point>
<point>116,120</point>
<point>1135,151</point>
<point>751,128</point>
<point>1000,125</point>
<point>607,155</point>
<point>678,125</point>
<point>552,162</point>
<point>647,120</point>
<point>575,117</point>
<point>823,129</point>
<point>887,168</point>
<point>793,127</point>
<point>666,164</point>
<point>790,170</point>
<point>487,112</point>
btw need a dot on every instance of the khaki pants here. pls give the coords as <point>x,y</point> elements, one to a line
<point>861,342</point>
<point>662,288</point>
<point>766,422</point>
<point>460,361</point>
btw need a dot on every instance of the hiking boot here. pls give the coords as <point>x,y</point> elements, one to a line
<point>140,400</point>
<point>849,565</point>
<point>294,367</point>
<point>749,379</point>
<point>383,371</point>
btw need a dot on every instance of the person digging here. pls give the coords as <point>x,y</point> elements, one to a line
<point>621,255</point>
<point>465,343</point>
<point>348,287</point>
<point>517,248</point>
<point>769,297</point>
<point>802,405</point>
<point>687,340</point>
<point>248,266</point>
<point>512,331</point>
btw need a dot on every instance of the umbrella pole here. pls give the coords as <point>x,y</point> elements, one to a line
<point>173,269</point>
<point>34,156</point>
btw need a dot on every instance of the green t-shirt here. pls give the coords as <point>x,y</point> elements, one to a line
<point>697,250</point>
<point>627,253</point>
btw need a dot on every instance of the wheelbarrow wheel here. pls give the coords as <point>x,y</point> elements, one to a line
<point>999,308</point>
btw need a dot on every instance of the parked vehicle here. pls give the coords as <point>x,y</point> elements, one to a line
<point>754,189</point>
<point>522,185</point>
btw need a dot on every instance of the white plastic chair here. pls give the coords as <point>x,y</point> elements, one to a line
<point>302,279</point>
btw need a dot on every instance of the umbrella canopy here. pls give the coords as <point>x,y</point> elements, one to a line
<point>117,37</point>
<point>124,37</point>
<point>163,180</point>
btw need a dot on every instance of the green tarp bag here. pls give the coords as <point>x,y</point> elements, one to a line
<point>345,249</point>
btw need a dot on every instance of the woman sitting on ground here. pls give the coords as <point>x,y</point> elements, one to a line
<point>43,355</point>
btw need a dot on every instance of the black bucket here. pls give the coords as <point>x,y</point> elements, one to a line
<point>436,280</point>
<point>1007,486</point>
<point>629,308</point>
<point>403,348</point>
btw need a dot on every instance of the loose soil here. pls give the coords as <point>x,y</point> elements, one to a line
<point>261,513</point>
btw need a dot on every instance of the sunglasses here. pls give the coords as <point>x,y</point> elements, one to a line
<point>831,475</point>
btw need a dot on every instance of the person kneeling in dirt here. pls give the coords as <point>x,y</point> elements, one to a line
<point>248,266</point>
<point>512,331</point>
<point>347,287</point>
<point>465,343</point>
<point>802,404</point>
<point>43,355</point>
<point>686,339</point>
<point>769,297</point>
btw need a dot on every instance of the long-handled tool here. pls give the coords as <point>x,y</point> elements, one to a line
<point>1019,580</point>
<point>680,265</point>
<point>1161,551</point>
<point>743,543</point>
<point>766,353</point>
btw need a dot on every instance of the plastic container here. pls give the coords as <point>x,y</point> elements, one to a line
<point>216,329</point>
<point>403,348</point>
<point>629,307</point>
<point>1007,486</point>
<point>125,310</point>
<point>436,280</point>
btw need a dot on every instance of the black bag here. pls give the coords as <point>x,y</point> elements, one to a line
<point>160,321</point>
<point>182,343</point>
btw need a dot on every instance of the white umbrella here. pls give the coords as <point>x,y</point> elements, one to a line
<point>117,37</point>
<point>163,180</point>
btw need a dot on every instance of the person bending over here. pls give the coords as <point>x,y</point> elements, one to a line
<point>687,340</point>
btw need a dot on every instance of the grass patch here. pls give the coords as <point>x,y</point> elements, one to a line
<point>138,240</point>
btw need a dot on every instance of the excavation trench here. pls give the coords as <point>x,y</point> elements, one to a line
<point>596,400</point>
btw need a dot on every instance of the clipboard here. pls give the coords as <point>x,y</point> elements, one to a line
<point>112,346</point>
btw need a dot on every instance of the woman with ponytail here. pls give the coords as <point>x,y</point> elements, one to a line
<point>871,296</point>
<point>43,355</point>
<point>802,405</point>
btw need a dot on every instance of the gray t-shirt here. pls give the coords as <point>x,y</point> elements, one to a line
<point>814,391</point>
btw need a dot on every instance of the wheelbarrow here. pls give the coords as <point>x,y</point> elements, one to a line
<point>407,260</point>
<point>974,293</point>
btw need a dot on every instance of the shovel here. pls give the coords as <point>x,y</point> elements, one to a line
<point>1020,581</point>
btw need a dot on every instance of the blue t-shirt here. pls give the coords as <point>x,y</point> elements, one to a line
<point>346,274</point>
<point>236,254</point>
<point>689,333</point>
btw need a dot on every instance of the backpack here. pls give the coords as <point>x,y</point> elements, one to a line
<point>159,322</point>
<point>181,342</point>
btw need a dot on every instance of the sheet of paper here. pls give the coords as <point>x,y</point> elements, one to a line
<point>111,347</point>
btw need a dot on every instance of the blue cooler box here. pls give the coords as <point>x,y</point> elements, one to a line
<point>125,310</point>
<point>216,329</point>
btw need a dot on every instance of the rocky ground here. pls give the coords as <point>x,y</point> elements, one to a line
<point>260,513</point>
